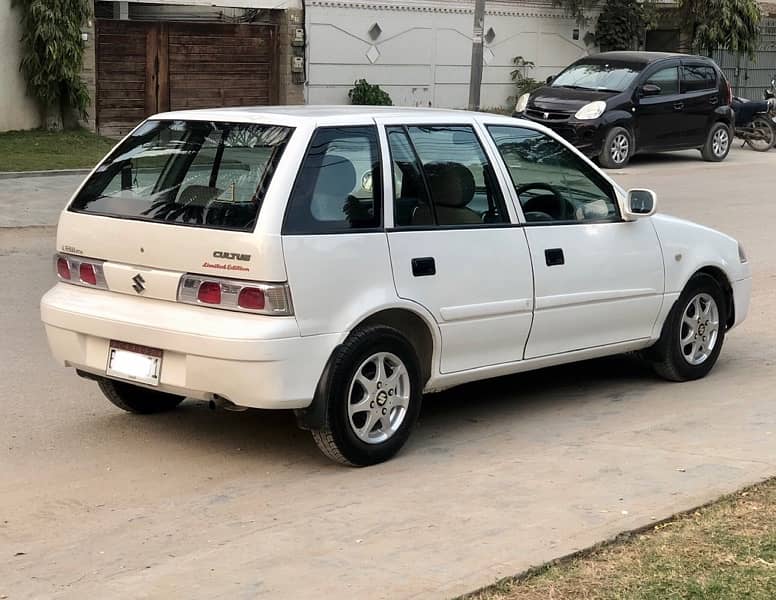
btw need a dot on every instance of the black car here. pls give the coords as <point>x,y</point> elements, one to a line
<point>614,104</point>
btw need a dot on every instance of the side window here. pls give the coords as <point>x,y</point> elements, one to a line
<point>338,187</point>
<point>666,79</point>
<point>553,183</point>
<point>443,177</point>
<point>698,77</point>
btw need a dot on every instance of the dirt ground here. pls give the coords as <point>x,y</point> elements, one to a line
<point>499,475</point>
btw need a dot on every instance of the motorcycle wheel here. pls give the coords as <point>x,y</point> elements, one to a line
<point>763,135</point>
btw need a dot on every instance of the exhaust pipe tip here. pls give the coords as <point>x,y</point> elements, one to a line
<point>221,402</point>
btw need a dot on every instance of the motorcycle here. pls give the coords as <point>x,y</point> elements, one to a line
<point>755,121</point>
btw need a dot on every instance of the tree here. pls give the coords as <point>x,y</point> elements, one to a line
<point>577,8</point>
<point>729,24</point>
<point>52,56</point>
<point>622,24</point>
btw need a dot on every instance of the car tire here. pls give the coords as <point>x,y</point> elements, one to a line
<point>617,149</point>
<point>373,392</point>
<point>717,143</point>
<point>136,399</point>
<point>696,324</point>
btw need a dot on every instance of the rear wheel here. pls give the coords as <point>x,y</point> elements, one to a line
<point>717,143</point>
<point>373,393</point>
<point>763,136</point>
<point>617,148</point>
<point>136,399</point>
<point>693,333</point>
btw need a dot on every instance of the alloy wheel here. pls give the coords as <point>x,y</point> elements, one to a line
<point>700,329</point>
<point>378,398</point>
<point>720,142</point>
<point>620,148</point>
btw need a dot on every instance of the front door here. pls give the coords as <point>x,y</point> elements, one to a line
<point>659,117</point>
<point>598,280</point>
<point>453,246</point>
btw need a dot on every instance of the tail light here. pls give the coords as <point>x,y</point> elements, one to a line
<point>80,271</point>
<point>233,294</point>
<point>729,92</point>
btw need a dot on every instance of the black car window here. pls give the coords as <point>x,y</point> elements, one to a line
<point>666,79</point>
<point>698,77</point>
<point>552,182</point>
<point>338,187</point>
<point>599,75</point>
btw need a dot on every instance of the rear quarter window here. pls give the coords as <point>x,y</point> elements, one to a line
<point>195,173</point>
<point>698,77</point>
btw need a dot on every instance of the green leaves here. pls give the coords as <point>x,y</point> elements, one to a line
<point>729,24</point>
<point>622,24</point>
<point>367,94</point>
<point>53,51</point>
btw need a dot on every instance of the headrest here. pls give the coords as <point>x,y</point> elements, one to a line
<point>452,184</point>
<point>337,176</point>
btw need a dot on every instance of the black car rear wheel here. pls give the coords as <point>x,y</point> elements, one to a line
<point>617,148</point>
<point>717,143</point>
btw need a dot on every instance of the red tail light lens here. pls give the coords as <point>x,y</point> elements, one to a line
<point>251,298</point>
<point>209,292</point>
<point>63,268</point>
<point>86,274</point>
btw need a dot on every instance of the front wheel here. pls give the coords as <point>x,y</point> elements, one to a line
<point>617,148</point>
<point>373,394</point>
<point>762,137</point>
<point>717,143</point>
<point>693,332</point>
<point>136,399</point>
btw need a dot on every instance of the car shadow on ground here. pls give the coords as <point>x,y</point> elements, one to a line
<point>273,436</point>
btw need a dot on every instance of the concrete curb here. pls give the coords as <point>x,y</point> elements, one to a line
<point>54,173</point>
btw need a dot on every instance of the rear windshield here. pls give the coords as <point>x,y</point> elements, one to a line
<point>196,173</point>
<point>601,76</point>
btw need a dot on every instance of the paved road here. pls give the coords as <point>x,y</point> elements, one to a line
<point>499,475</point>
<point>35,201</point>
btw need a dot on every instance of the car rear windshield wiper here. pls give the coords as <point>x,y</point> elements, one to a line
<point>575,87</point>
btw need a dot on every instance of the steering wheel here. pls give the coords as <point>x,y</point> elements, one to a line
<point>553,206</point>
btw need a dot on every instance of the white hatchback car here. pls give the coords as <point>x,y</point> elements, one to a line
<point>341,261</point>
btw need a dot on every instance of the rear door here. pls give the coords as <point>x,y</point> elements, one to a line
<point>700,96</point>
<point>454,245</point>
<point>659,117</point>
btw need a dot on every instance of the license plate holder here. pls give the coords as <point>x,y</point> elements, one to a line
<point>133,362</point>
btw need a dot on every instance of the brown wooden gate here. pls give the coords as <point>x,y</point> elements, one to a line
<point>149,67</point>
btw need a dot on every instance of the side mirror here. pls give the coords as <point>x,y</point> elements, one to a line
<point>650,89</point>
<point>550,79</point>
<point>640,203</point>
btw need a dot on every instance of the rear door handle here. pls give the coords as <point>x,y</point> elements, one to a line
<point>713,100</point>
<point>423,267</point>
<point>678,105</point>
<point>554,257</point>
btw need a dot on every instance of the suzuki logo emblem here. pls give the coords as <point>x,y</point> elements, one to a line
<point>139,285</point>
<point>546,116</point>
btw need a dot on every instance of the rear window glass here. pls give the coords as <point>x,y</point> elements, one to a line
<point>196,173</point>
<point>698,77</point>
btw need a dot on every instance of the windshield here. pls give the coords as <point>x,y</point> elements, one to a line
<point>599,76</point>
<point>196,173</point>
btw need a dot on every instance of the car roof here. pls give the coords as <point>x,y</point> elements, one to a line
<point>645,58</point>
<point>313,114</point>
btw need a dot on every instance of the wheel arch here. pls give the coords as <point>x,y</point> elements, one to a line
<point>727,288</point>
<point>419,328</point>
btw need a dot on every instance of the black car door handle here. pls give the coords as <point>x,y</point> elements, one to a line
<point>713,100</point>
<point>678,105</point>
<point>554,256</point>
<point>423,267</point>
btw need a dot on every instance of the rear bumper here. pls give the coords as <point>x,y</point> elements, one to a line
<point>251,360</point>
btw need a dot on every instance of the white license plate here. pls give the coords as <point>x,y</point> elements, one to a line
<point>134,363</point>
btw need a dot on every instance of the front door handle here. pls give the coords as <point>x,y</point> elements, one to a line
<point>423,267</point>
<point>554,256</point>
<point>713,100</point>
<point>678,105</point>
